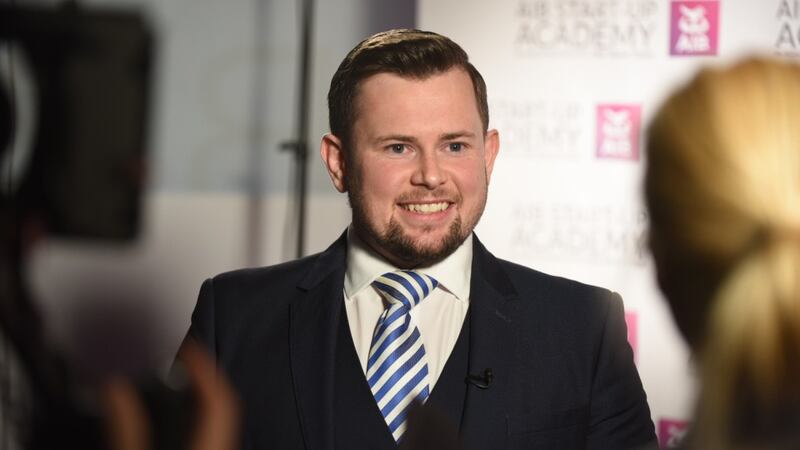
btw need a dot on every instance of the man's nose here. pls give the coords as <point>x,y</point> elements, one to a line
<point>430,172</point>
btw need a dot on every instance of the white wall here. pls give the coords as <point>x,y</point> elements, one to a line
<point>565,194</point>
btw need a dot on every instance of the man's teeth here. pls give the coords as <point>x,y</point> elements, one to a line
<point>426,208</point>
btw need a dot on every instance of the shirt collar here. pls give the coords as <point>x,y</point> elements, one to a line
<point>364,265</point>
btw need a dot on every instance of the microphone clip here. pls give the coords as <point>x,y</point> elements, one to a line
<point>481,381</point>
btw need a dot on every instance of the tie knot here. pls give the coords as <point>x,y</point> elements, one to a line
<point>405,287</point>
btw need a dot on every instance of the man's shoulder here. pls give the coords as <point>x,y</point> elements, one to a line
<point>525,274</point>
<point>307,270</point>
<point>288,273</point>
<point>561,305</point>
<point>531,283</point>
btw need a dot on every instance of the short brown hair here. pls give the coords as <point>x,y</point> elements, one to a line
<point>405,52</point>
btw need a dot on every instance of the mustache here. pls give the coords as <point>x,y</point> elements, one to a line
<point>422,195</point>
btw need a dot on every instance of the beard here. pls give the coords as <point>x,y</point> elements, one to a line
<point>395,244</point>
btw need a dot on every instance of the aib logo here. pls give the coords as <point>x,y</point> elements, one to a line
<point>618,131</point>
<point>631,320</point>
<point>695,28</point>
<point>671,432</point>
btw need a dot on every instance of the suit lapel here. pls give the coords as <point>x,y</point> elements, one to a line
<point>492,346</point>
<point>314,316</point>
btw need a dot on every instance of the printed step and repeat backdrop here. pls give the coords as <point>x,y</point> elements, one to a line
<point>572,84</point>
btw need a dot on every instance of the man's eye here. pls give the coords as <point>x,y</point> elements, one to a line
<point>456,146</point>
<point>397,148</point>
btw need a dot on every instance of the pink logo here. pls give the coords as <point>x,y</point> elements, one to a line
<point>671,432</point>
<point>631,320</point>
<point>695,26</point>
<point>618,131</point>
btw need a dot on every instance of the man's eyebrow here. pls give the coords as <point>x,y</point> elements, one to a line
<point>457,135</point>
<point>412,140</point>
<point>396,138</point>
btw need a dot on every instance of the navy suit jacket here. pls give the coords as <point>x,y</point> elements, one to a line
<point>564,376</point>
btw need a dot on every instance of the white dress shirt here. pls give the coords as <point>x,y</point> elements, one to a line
<point>439,316</point>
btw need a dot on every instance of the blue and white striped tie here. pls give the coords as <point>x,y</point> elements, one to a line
<point>397,370</point>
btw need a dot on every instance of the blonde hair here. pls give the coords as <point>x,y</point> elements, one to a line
<point>723,189</point>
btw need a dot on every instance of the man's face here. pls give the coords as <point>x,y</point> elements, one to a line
<point>419,169</point>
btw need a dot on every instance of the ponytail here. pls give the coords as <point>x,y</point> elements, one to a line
<point>750,359</point>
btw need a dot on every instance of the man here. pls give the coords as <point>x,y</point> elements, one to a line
<point>330,350</point>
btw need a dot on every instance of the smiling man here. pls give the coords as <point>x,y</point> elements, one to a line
<point>330,351</point>
<point>418,180</point>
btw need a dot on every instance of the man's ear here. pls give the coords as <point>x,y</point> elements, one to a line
<point>333,156</point>
<point>491,146</point>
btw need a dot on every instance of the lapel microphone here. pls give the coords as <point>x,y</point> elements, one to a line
<point>481,381</point>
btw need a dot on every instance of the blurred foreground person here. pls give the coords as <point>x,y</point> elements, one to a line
<point>216,410</point>
<point>722,187</point>
<point>80,176</point>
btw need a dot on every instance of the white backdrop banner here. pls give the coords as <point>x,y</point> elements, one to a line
<point>571,84</point>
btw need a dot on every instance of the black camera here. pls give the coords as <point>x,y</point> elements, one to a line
<point>84,166</point>
<point>91,72</point>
